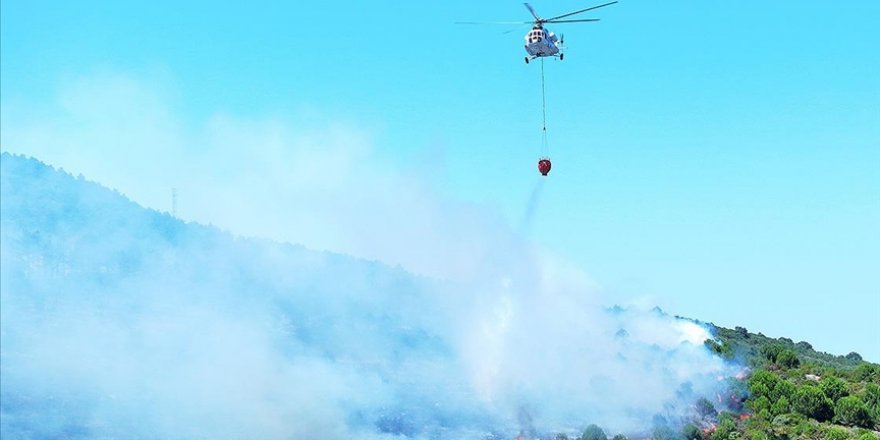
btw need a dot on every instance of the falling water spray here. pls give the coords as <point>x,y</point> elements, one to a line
<point>532,207</point>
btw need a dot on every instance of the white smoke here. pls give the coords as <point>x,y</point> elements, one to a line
<point>209,336</point>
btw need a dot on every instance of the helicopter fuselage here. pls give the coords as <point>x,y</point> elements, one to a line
<point>542,43</point>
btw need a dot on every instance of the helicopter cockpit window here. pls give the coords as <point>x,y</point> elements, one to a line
<point>535,36</point>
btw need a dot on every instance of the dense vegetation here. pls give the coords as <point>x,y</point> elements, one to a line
<point>795,392</point>
<point>788,392</point>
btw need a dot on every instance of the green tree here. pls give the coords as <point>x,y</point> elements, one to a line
<point>771,351</point>
<point>811,402</point>
<point>788,359</point>
<point>853,356</point>
<point>852,411</point>
<point>833,388</point>
<point>593,432</point>
<point>620,437</point>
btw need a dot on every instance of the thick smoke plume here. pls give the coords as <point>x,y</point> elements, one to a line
<point>121,322</point>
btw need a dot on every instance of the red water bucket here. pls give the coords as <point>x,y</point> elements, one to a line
<point>544,166</point>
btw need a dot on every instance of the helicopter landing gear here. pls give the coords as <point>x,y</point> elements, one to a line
<point>527,60</point>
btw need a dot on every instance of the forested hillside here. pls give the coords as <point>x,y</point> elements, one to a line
<point>796,392</point>
<point>124,322</point>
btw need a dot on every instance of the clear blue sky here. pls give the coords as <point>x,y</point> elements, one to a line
<point>721,158</point>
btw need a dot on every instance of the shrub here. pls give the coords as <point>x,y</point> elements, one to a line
<point>788,359</point>
<point>723,349</point>
<point>739,392</point>
<point>691,432</point>
<point>782,406</point>
<point>755,434</point>
<point>865,372</point>
<point>852,411</point>
<point>771,351</point>
<point>783,388</point>
<point>872,394</point>
<point>664,433</point>
<point>724,430</point>
<point>788,420</point>
<point>833,388</point>
<point>760,404</point>
<point>836,434</point>
<point>761,383</point>
<point>804,345</point>
<point>872,400</point>
<point>705,408</point>
<point>812,402</point>
<point>727,416</point>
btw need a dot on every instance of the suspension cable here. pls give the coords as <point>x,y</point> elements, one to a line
<point>545,149</point>
<point>543,98</point>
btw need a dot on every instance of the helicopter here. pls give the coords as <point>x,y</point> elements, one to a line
<point>540,42</point>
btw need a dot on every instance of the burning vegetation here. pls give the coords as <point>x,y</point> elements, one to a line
<point>783,391</point>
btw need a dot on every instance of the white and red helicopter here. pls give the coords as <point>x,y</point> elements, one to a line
<point>540,42</point>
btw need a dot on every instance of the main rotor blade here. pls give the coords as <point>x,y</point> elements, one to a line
<point>493,22</point>
<point>582,10</point>
<point>585,20</point>
<point>532,10</point>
